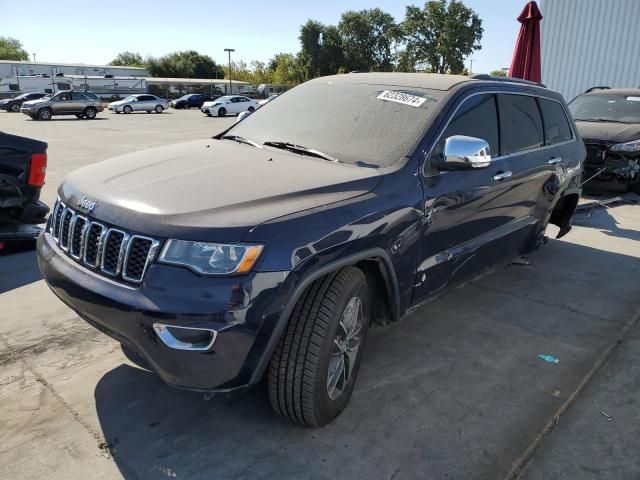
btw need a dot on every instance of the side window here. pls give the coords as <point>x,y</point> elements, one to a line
<point>476,117</point>
<point>521,123</point>
<point>556,124</point>
<point>77,96</point>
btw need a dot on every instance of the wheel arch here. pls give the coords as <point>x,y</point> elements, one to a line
<point>377,267</point>
<point>563,210</point>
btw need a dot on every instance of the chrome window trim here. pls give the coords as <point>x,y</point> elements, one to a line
<point>502,157</point>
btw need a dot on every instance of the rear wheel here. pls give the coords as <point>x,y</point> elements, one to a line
<point>222,112</point>
<point>90,113</point>
<point>15,108</point>
<point>45,114</point>
<point>159,109</point>
<point>315,364</point>
<point>127,109</point>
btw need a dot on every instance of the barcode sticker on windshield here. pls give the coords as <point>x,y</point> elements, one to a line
<point>400,97</point>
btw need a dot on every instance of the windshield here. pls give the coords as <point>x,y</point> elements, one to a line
<point>361,124</point>
<point>606,108</point>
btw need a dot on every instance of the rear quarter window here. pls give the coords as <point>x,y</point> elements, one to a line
<point>556,124</point>
<point>521,123</point>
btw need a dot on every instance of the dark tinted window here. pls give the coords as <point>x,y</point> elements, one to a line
<point>77,96</point>
<point>476,117</point>
<point>521,123</point>
<point>556,123</point>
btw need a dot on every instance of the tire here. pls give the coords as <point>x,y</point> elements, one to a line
<point>45,114</point>
<point>90,113</point>
<point>15,108</point>
<point>301,386</point>
<point>222,112</point>
<point>159,109</point>
<point>251,109</point>
<point>127,109</point>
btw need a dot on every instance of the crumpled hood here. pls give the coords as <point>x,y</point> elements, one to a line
<point>187,190</point>
<point>609,131</point>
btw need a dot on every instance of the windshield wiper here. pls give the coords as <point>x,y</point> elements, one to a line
<point>292,147</point>
<point>600,120</point>
<point>239,139</point>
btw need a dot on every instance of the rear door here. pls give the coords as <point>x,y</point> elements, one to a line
<point>535,133</point>
<point>468,214</point>
<point>78,102</point>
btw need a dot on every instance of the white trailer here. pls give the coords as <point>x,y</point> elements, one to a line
<point>108,88</point>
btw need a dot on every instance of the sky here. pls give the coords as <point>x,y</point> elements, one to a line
<point>71,32</point>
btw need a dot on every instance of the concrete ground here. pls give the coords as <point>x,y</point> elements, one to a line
<point>454,391</point>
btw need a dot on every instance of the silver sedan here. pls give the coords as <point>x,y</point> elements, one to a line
<point>139,103</point>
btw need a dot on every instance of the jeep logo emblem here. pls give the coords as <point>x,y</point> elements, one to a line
<point>86,205</point>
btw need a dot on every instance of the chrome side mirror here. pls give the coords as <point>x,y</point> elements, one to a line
<point>465,153</point>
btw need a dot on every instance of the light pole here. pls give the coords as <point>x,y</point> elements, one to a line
<point>34,58</point>
<point>229,50</point>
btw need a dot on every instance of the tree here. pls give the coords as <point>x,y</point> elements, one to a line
<point>11,49</point>
<point>368,37</point>
<point>128,59</point>
<point>498,73</point>
<point>441,35</point>
<point>287,69</point>
<point>187,64</point>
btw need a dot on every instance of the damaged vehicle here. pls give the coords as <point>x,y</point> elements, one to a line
<point>23,165</point>
<point>270,249</point>
<point>609,122</point>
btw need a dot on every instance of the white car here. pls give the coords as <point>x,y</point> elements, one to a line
<point>229,104</point>
<point>261,103</point>
<point>139,103</point>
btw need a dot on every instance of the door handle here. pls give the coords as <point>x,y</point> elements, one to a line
<point>555,160</point>
<point>502,175</point>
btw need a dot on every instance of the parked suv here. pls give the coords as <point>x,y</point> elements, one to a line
<point>609,122</point>
<point>14,104</point>
<point>346,202</point>
<point>81,104</point>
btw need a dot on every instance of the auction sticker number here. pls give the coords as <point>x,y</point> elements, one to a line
<point>400,97</point>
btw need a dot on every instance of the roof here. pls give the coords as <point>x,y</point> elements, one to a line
<point>615,91</point>
<point>193,80</point>
<point>78,65</point>
<point>433,81</point>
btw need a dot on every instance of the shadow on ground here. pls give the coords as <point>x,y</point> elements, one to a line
<point>18,266</point>
<point>456,390</point>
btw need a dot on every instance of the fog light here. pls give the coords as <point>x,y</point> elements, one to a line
<point>186,338</point>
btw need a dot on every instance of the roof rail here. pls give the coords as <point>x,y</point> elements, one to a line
<point>603,87</point>
<point>485,76</point>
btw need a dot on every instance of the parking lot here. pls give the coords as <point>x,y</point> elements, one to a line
<point>456,390</point>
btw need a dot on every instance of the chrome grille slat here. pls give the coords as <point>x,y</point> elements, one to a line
<point>101,248</point>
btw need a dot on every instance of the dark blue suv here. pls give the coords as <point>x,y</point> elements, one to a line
<point>271,248</point>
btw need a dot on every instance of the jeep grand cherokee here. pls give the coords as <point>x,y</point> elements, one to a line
<point>271,248</point>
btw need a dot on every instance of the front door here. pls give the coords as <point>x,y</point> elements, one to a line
<point>467,213</point>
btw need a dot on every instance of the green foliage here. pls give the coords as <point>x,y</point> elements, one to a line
<point>11,49</point>
<point>128,59</point>
<point>367,39</point>
<point>498,73</point>
<point>441,35</point>
<point>187,64</point>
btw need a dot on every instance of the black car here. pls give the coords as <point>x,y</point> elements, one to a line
<point>609,122</point>
<point>192,100</point>
<point>23,164</point>
<point>14,104</point>
<point>274,245</point>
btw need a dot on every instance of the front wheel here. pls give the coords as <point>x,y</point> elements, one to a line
<point>159,109</point>
<point>315,364</point>
<point>127,109</point>
<point>45,114</point>
<point>222,112</point>
<point>251,109</point>
<point>90,113</point>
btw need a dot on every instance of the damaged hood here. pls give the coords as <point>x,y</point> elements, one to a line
<point>188,189</point>
<point>608,131</point>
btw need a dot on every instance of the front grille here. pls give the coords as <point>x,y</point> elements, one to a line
<point>596,153</point>
<point>100,247</point>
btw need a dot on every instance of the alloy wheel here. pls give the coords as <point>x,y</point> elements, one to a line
<point>344,350</point>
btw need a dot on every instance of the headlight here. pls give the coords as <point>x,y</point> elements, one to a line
<point>211,258</point>
<point>632,146</point>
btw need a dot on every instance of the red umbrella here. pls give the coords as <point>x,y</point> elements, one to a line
<point>526,56</point>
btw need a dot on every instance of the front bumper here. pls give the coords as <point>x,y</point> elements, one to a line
<point>243,312</point>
